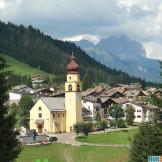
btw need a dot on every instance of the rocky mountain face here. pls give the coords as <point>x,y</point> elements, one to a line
<point>124,54</point>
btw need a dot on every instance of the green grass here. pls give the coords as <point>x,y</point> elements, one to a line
<point>118,137</point>
<point>20,68</point>
<point>68,153</point>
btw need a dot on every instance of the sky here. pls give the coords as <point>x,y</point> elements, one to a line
<point>141,20</point>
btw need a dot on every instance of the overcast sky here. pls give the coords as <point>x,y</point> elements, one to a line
<point>92,19</point>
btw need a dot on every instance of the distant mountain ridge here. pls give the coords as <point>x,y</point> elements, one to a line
<point>123,54</point>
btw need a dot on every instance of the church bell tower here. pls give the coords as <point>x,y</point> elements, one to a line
<point>73,104</point>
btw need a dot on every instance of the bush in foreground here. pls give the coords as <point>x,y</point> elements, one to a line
<point>146,142</point>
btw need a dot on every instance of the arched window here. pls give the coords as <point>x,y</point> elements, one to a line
<point>40,108</point>
<point>40,115</point>
<point>78,87</point>
<point>69,87</point>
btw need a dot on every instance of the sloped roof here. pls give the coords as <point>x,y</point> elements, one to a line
<point>110,93</point>
<point>92,99</point>
<point>135,93</point>
<point>143,105</point>
<point>22,89</point>
<point>104,98</point>
<point>54,103</point>
<point>120,100</point>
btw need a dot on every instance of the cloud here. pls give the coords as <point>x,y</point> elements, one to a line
<point>154,50</point>
<point>139,19</point>
<point>92,38</point>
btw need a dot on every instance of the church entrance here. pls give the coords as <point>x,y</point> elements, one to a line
<point>40,128</point>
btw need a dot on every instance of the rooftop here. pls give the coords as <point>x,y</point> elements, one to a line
<point>54,103</point>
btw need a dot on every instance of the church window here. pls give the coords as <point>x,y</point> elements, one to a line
<point>40,108</point>
<point>53,115</point>
<point>63,115</point>
<point>58,115</point>
<point>78,87</point>
<point>70,78</point>
<point>40,115</point>
<point>69,87</point>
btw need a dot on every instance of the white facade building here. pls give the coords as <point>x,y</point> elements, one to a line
<point>143,112</point>
<point>93,105</point>
<point>14,97</point>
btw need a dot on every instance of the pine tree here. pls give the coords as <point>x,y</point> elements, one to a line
<point>129,114</point>
<point>25,104</point>
<point>147,142</point>
<point>9,145</point>
<point>87,81</point>
<point>98,117</point>
<point>116,111</point>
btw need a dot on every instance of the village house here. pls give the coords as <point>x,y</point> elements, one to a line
<point>39,83</point>
<point>93,105</point>
<point>16,93</point>
<point>143,112</point>
<point>135,94</point>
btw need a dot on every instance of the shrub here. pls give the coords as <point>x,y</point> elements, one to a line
<point>103,124</point>
<point>112,123</point>
<point>120,123</point>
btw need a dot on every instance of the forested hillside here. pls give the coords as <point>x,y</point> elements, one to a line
<point>32,47</point>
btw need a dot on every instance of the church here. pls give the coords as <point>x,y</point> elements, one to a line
<point>59,114</point>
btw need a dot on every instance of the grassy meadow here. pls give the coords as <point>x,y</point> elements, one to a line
<point>20,68</point>
<point>118,137</point>
<point>68,153</point>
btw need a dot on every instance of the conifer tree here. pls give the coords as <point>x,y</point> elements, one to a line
<point>9,145</point>
<point>130,114</point>
<point>25,104</point>
<point>147,142</point>
<point>87,81</point>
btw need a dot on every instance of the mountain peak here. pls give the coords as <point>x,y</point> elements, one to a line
<point>84,43</point>
<point>123,47</point>
<point>125,54</point>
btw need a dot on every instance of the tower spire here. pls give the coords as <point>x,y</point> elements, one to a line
<point>73,67</point>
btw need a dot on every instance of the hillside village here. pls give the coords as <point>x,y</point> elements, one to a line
<point>91,102</point>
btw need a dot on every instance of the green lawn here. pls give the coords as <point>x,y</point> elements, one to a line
<point>68,153</point>
<point>20,68</point>
<point>118,137</point>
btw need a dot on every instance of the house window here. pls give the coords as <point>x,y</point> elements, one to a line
<point>138,110</point>
<point>40,115</point>
<point>138,116</point>
<point>40,109</point>
<point>58,115</point>
<point>70,87</point>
